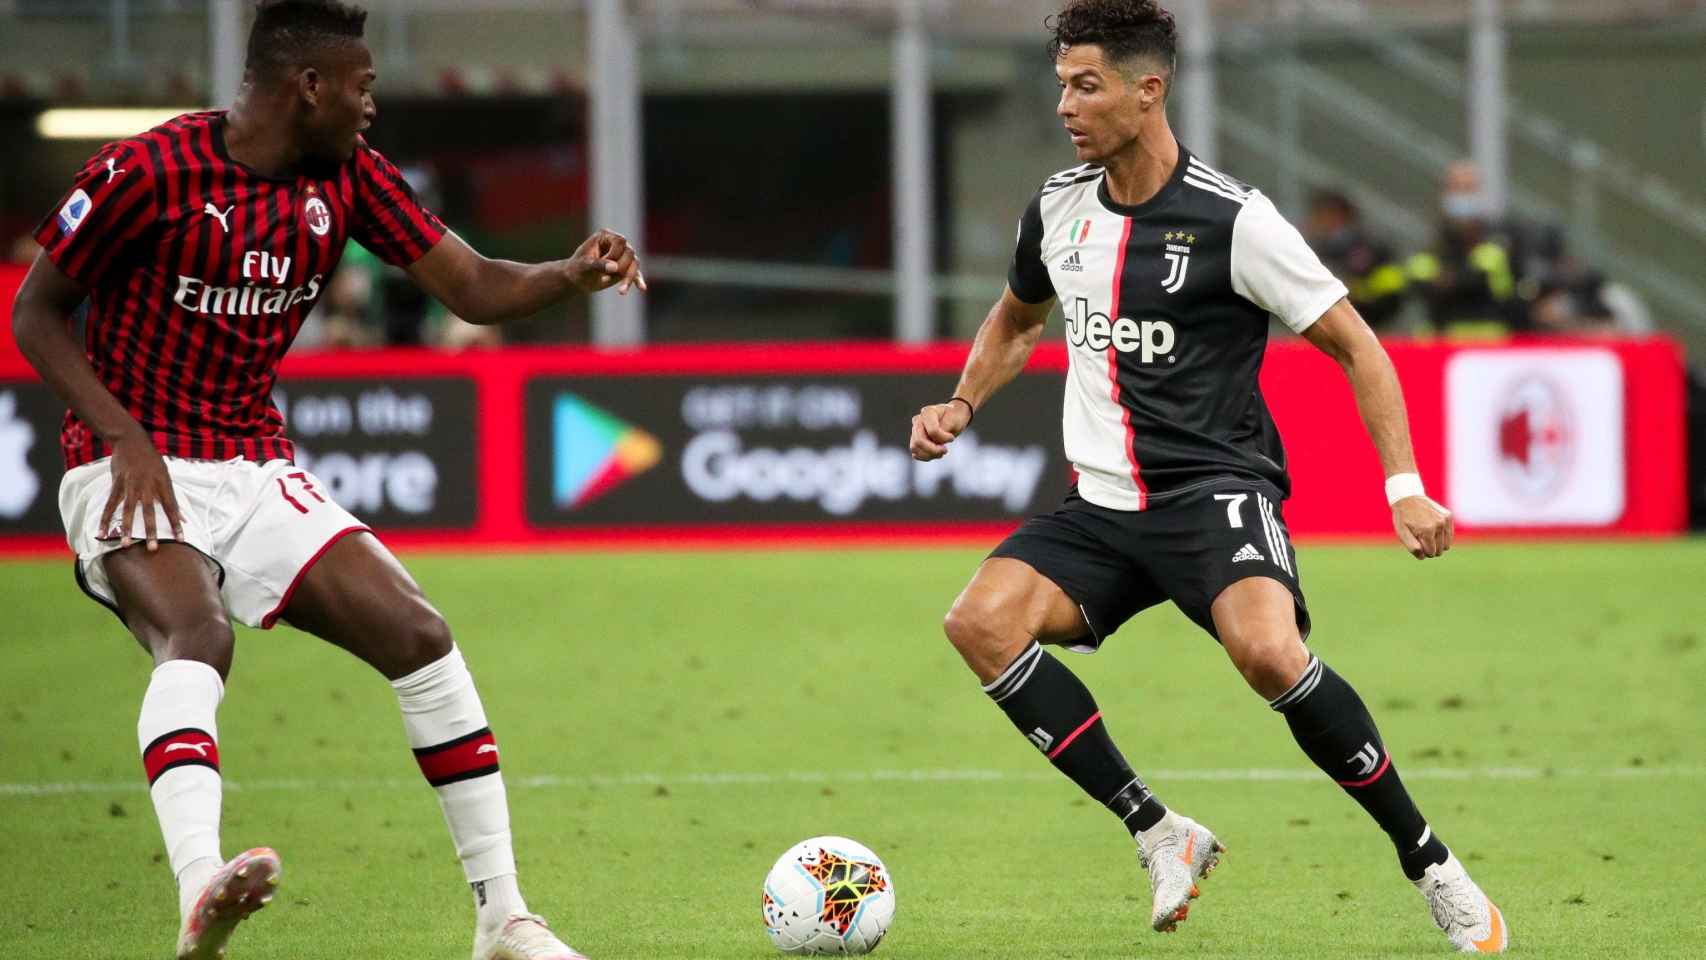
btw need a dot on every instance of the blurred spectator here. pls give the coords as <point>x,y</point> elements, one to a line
<point>1469,278</point>
<point>1367,266</point>
<point>455,333</point>
<point>1574,298</point>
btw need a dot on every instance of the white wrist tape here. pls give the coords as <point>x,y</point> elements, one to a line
<point>1401,485</point>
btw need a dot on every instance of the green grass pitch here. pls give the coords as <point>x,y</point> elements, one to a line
<point>672,722</point>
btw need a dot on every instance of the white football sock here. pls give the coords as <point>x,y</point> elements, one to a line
<point>447,729</point>
<point>496,899</point>
<point>178,737</point>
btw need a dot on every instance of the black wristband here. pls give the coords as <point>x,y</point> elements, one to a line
<point>971,411</point>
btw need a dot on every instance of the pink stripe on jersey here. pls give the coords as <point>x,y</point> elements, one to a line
<point>1114,373</point>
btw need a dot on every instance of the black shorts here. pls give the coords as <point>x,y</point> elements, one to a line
<point>1186,548</point>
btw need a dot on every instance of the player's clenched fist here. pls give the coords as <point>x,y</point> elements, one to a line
<point>936,426</point>
<point>605,260</point>
<point>1424,527</point>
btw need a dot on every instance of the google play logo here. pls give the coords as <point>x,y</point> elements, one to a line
<point>595,451</point>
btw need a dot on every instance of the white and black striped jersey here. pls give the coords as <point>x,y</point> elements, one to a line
<point>1167,305</point>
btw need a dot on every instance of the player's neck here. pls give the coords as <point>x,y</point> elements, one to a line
<point>1138,172</point>
<point>267,148</point>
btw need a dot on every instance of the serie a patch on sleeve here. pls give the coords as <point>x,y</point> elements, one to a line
<point>75,211</point>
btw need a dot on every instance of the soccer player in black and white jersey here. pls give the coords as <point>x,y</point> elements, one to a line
<point>1167,272</point>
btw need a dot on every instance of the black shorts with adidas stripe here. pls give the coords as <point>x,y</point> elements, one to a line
<point>1186,548</point>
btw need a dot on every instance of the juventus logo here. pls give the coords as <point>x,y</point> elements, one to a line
<point>1368,757</point>
<point>1178,253</point>
<point>1041,738</point>
<point>219,215</point>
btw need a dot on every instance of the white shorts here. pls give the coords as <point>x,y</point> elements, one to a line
<point>260,525</point>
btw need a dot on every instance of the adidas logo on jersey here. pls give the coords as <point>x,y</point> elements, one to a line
<point>1072,263</point>
<point>1249,552</point>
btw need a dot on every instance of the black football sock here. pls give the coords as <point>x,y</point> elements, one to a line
<point>1055,711</point>
<point>1333,727</point>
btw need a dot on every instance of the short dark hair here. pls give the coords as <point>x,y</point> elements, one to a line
<point>289,33</point>
<point>1126,30</point>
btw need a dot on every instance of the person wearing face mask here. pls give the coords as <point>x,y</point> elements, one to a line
<point>1468,281</point>
<point>1366,265</point>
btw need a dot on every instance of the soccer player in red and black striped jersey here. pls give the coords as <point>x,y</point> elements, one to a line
<point>200,246</point>
<point>1168,272</point>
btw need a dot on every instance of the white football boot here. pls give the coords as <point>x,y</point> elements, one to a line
<point>236,890</point>
<point>1177,852</point>
<point>522,936</point>
<point>1469,919</point>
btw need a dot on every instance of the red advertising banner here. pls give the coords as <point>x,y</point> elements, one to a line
<point>787,443</point>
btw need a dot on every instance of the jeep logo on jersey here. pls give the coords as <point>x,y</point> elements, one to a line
<point>319,217</point>
<point>1149,339</point>
<point>1178,253</point>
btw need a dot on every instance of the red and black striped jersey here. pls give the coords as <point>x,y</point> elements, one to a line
<point>201,270</point>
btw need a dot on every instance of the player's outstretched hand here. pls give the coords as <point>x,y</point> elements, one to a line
<point>140,482</point>
<point>1424,527</point>
<point>935,427</point>
<point>605,260</point>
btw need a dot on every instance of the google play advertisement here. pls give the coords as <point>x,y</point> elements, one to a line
<point>778,449</point>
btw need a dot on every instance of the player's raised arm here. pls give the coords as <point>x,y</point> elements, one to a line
<point>1423,526</point>
<point>393,223</point>
<point>484,291</point>
<point>1004,342</point>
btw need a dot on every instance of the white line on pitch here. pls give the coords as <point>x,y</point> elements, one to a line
<point>735,778</point>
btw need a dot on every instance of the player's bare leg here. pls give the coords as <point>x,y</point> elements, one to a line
<point>359,597</point>
<point>1004,609</point>
<point>999,624</point>
<point>1257,622</point>
<point>169,599</point>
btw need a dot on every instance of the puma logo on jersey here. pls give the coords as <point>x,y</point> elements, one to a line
<point>200,748</point>
<point>113,169</point>
<point>219,215</point>
<point>1149,339</point>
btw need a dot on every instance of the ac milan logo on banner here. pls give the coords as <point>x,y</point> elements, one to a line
<point>1536,438</point>
<point>318,216</point>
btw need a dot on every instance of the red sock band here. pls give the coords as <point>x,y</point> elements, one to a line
<point>466,757</point>
<point>180,748</point>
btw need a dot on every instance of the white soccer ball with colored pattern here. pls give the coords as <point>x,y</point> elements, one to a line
<point>828,895</point>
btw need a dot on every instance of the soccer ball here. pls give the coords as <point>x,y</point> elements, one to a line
<point>828,895</point>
